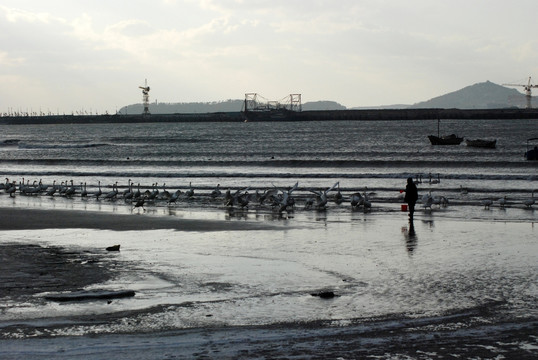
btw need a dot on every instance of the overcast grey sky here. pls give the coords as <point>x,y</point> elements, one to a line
<point>64,56</point>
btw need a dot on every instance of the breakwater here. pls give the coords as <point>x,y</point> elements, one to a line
<point>328,115</point>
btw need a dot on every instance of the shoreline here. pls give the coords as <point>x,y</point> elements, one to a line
<point>16,218</point>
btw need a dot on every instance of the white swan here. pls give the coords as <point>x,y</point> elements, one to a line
<point>356,200</point>
<point>435,181</point>
<point>427,201</point>
<point>53,189</point>
<point>98,193</point>
<point>165,194</point>
<point>190,193</point>
<point>321,198</point>
<point>286,200</point>
<point>487,203</point>
<point>112,194</point>
<point>128,194</point>
<point>83,191</point>
<point>152,195</point>
<point>12,189</point>
<point>174,197</point>
<point>128,190</point>
<point>71,190</point>
<point>137,193</point>
<point>216,192</point>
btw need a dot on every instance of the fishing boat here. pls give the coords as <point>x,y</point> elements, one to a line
<point>445,140</point>
<point>451,139</point>
<point>482,143</point>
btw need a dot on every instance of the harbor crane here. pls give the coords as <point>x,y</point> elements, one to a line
<point>528,93</point>
<point>145,97</point>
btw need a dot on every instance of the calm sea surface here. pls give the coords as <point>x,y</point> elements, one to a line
<point>374,154</point>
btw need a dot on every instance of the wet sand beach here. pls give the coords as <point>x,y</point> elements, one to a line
<point>241,288</point>
<point>35,219</point>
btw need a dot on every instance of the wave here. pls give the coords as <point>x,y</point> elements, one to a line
<point>152,173</point>
<point>62,146</point>
<point>294,163</point>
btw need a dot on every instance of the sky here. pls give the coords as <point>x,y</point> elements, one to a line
<point>70,56</point>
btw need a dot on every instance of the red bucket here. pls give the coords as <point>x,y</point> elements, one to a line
<point>404,207</point>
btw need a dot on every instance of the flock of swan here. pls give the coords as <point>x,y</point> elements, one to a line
<point>279,199</point>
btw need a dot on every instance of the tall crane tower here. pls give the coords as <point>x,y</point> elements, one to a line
<point>527,89</point>
<point>145,97</point>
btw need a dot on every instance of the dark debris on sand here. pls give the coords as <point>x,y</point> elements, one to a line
<point>27,269</point>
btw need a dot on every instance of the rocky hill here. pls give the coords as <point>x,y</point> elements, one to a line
<point>486,95</point>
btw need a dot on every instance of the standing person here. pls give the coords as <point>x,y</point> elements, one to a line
<point>411,196</point>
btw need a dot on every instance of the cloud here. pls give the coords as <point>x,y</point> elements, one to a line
<point>6,60</point>
<point>356,52</point>
<point>15,15</point>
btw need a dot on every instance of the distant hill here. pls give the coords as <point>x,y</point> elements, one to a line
<point>486,95</point>
<point>213,107</point>
<point>322,105</point>
<point>185,108</point>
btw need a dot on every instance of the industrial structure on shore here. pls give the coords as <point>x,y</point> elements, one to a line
<point>528,91</point>
<point>145,97</point>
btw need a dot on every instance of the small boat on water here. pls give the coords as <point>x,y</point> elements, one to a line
<point>451,139</point>
<point>482,143</point>
<point>445,140</point>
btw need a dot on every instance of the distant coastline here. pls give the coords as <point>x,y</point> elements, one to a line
<point>329,115</point>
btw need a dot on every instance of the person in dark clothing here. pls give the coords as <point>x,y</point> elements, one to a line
<point>411,196</point>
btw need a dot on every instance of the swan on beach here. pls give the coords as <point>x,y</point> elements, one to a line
<point>98,193</point>
<point>216,192</point>
<point>321,198</point>
<point>12,189</point>
<point>137,193</point>
<point>83,191</point>
<point>41,186</point>
<point>356,200</point>
<point>165,194</point>
<point>70,191</point>
<point>529,202</point>
<point>153,194</point>
<point>502,202</point>
<point>112,194</point>
<point>285,200</point>
<point>140,202</point>
<point>174,197</point>
<point>435,181</point>
<point>52,190</point>
<point>128,194</point>
<point>487,203</point>
<point>128,190</point>
<point>367,204</point>
<point>189,193</point>
<point>338,198</point>
<point>440,201</point>
<point>427,201</point>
